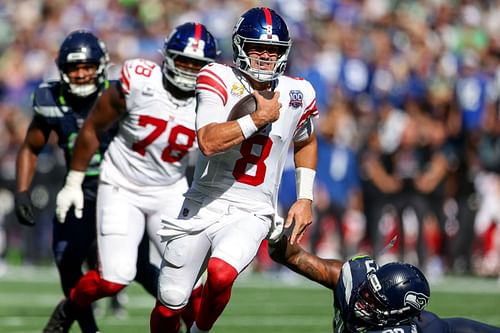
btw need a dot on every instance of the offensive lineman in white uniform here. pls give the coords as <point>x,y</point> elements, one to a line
<point>143,173</point>
<point>230,207</point>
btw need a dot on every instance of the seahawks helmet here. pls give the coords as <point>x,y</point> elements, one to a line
<point>392,295</point>
<point>262,26</point>
<point>193,43</point>
<point>82,47</point>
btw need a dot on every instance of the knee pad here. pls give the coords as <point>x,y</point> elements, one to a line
<point>173,298</point>
<point>124,273</point>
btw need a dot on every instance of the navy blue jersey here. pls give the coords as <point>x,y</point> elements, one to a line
<point>64,115</point>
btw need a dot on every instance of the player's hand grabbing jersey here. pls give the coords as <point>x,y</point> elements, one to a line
<point>256,163</point>
<point>156,133</point>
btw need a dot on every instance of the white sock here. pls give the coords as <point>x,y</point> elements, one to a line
<point>195,329</point>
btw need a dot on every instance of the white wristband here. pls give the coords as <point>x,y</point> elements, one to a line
<point>75,178</point>
<point>304,180</point>
<point>247,126</point>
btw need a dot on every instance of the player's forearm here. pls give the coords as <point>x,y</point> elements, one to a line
<point>216,138</point>
<point>86,145</point>
<point>323,271</point>
<point>25,168</point>
<point>306,153</point>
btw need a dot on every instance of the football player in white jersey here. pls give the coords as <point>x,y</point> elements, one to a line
<point>230,207</point>
<point>143,172</point>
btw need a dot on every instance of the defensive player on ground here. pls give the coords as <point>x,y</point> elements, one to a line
<point>231,206</point>
<point>143,172</point>
<point>373,299</point>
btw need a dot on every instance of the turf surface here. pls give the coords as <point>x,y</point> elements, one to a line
<point>264,304</point>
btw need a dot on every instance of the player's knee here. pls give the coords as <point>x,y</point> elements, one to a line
<point>173,298</point>
<point>124,273</point>
<point>111,288</point>
<point>165,311</point>
<point>220,275</point>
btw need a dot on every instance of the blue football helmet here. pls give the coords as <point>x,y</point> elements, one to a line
<point>82,47</point>
<point>392,295</point>
<point>262,26</point>
<point>192,43</point>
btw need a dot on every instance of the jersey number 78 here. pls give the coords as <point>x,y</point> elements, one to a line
<point>174,151</point>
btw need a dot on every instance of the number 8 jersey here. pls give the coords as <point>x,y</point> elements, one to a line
<point>156,133</point>
<point>249,173</point>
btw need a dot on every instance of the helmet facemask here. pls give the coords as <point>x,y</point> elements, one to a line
<point>182,78</point>
<point>244,62</point>
<point>394,299</point>
<point>85,89</point>
<point>189,47</point>
<point>82,47</point>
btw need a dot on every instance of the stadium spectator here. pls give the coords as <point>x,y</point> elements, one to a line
<point>409,49</point>
<point>339,216</point>
<point>143,174</point>
<point>231,206</point>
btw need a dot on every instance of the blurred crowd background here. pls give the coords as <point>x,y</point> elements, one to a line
<point>408,94</point>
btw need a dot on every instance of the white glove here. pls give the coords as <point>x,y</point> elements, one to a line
<point>276,229</point>
<point>70,195</point>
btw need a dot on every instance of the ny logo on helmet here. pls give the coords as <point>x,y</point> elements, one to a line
<point>416,300</point>
<point>195,47</point>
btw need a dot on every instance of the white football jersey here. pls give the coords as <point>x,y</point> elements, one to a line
<point>249,173</point>
<point>156,134</point>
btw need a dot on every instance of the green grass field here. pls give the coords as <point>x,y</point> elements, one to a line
<point>259,304</point>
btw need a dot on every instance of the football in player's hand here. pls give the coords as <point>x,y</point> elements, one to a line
<point>247,105</point>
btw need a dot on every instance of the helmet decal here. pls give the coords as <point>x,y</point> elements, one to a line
<point>192,43</point>
<point>269,21</point>
<point>417,300</point>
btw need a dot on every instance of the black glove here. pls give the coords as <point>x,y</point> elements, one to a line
<point>24,208</point>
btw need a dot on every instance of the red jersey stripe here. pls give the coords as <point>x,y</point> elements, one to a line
<point>125,80</point>
<point>211,89</point>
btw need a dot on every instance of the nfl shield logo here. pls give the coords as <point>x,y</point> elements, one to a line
<point>296,99</point>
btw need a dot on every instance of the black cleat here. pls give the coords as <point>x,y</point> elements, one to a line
<point>59,321</point>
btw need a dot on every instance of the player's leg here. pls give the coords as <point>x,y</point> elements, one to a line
<point>156,201</point>
<point>147,272</point>
<point>153,224</point>
<point>120,228</point>
<point>235,241</point>
<point>183,262</point>
<point>72,242</point>
<point>463,325</point>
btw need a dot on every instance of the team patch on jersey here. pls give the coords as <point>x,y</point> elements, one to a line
<point>416,300</point>
<point>237,89</point>
<point>296,99</point>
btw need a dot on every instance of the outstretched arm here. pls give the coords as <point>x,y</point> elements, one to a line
<point>323,271</point>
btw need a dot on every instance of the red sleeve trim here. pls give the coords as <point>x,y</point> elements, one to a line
<point>125,79</point>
